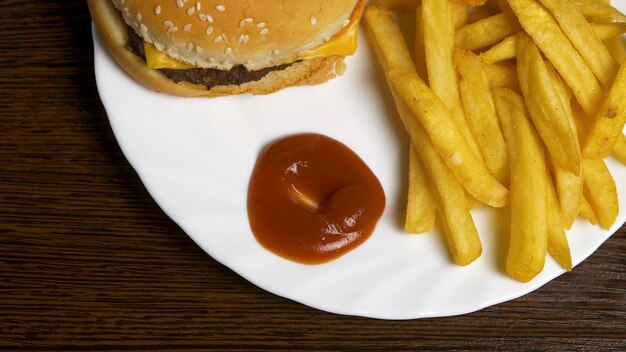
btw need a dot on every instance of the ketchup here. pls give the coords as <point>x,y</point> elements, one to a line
<point>311,199</point>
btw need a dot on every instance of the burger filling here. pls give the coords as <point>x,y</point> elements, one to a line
<point>203,76</point>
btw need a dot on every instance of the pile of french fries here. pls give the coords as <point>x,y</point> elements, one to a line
<point>508,103</point>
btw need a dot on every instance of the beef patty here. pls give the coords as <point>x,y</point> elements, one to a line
<point>204,76</point>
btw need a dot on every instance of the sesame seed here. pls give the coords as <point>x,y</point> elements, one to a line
<point>209,30</point>
<point>346,23</point>
<point>138,17</point>
<point>218,39</point>
<point>209,18</point>
<point>187,27</point>
<point>220,8</point>
<point>261,25</point>
<point>172,29</point>
<point>157,10</point>
<point>313,20</point>
<point>180,3</point>
<point>143,28</point>
<point>228,51</point>
<point>191,10</point>
<point>243,38</point>
<point>189,46</point>
<point>202,17</point>
<point>264,31</point>
<point>168,24</point>
<point>199,50</point>
<point>198,5</point>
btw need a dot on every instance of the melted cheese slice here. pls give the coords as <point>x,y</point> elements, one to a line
<point>343,44</point>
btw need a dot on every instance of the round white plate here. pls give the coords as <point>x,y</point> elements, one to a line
<point>195,157</point>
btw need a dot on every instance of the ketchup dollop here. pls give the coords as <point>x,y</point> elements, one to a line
<point>311,199</point>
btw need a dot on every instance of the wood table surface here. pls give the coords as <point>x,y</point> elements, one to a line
<point>89,262</point>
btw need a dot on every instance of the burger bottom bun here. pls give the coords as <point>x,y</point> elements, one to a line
<point>112,31</point>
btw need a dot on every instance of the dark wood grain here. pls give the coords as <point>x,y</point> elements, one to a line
<point>89,262</point>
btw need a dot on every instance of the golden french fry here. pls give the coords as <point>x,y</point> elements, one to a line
<point>617,49</point>
<point>606,31</point>
<point>580,33</point>
<point>481,13</point>
<point>397,5</point>
<point>470,3</point>
<point>481,114</point>
<point>569,188</point>
<point>549,37</point>
<point>447,139</point>
<point>507,48</point>
<point>609,121</point>
<point>386,34</point>
<point>599,10</point>
<point>558,247</point>
<point>529,220</point>
<point>420,212</point>
<point>619,151</point>
<point>419,49</point>
<point>546,107</point>
<point>587,213</point>
<point>460,232</point>
<point>458,226</point>
<point>442,77</point>
<point>460,16</point>
<point>600,190</point>
<point>502,75</point>
<point>487,32</point>
<point>598,185</point>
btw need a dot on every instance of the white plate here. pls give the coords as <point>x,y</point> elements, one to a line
<point>195,157</point>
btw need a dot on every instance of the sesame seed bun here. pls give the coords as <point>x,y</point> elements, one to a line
<point>255,34</point>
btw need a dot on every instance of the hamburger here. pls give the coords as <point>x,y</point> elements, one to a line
<point>209,48</point>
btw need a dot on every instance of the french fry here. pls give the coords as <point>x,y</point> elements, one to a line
<point>590,47</point>
<point>546,107</point>
<point>481,114</point>
<point>549,37</point>
<point>447,139</point>
<point>600,190</point>
<point>486,32</point>
<point>587,213</point>
<point>470,3</point>
<point>529,220</point>
<point>507,48</point>
<point>598,184</point>
<point>480,13</point>
<point>458,226</point>
<point>558,247</point>
<point>599,10</point>
<point>609,121</point>
<point>460,16</point>
<point>442,76</point>
<point>459,229</point>
<point>397,5</point>
<point>419,49</point>
<point>502,75</point>
<point>606,31</point>
<point>619,151</point>
<point>617,49</point>
<point>420,212</point>
<point>503,5</point>
<point>569,188</point>
<point>386,34</point>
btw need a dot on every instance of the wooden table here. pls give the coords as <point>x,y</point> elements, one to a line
<point>89,262</point>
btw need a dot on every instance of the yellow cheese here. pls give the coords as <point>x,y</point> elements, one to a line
<point>343,44</point>
<point>156,59</point>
